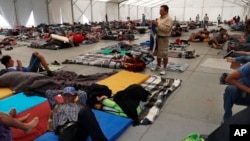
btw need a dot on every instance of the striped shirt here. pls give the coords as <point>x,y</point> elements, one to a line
<point>65,112</point>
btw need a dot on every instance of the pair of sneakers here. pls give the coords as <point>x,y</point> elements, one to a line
<point>162,70</point>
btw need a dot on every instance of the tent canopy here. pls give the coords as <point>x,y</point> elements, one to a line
<point>17,12</point>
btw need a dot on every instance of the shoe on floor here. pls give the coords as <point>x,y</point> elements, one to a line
<point>41,69</point>
<point>55,63</point>
<point>163,72</point>
<point>65,61</point>
<point>50,73</point>
<point>155,68</point>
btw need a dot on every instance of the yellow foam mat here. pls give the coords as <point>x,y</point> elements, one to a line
<point>5,92</point>
<point>123,79</point>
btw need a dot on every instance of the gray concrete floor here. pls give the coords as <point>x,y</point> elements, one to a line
<point>197,106</point>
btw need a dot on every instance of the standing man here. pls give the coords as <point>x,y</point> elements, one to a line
<point>219,19</point>
<point>197,18</point>
<point>163,28</point>
<point>143,19</point>
<point>206,19</point>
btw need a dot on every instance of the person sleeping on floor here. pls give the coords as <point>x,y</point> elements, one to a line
<point>199,36</point>
<point>126,102</point>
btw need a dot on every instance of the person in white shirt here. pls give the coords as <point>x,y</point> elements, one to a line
<point>206,19</point>
<point>219,19</point>
<point>197,18</point>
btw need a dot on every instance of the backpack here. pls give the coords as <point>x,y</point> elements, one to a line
<point>134,65</point>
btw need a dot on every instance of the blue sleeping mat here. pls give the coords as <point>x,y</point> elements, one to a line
<point>20,101</point>
<point>112,126</point>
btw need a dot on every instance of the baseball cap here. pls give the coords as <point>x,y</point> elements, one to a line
<point>69,90</point>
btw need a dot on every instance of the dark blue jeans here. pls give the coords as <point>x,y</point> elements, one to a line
<point>234,95</point>
<point>87,125</point>
<point>35,63</point>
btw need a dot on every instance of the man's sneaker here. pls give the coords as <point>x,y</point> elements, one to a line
<point>163,72</point>
<point>155,68</point>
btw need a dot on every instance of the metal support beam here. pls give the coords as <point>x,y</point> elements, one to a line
<point>91,8</point>
<point>129,11</point>
<point>184,10</point>
<point>202,11</point>
<point>47,2</point>
<point>17,22</point>
<point>118,11</point>
<point>72,11</point>
<point>82,12</point>
<point>222,10</point>
<point>235,3</point>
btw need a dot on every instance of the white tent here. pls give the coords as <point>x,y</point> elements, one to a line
<point>17,12</point>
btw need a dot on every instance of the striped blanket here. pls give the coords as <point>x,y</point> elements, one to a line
<point>160,88</point>
<point>93,59</point>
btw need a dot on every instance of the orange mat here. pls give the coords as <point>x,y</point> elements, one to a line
<point>5,92</point>
<point>123,79</point>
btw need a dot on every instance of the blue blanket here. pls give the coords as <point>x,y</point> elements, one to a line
<point>112,126</point>
<point>20,101</point>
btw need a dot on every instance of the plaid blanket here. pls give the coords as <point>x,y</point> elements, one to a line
<point>133,49</point>
<point>160,89</point>
<point>93,59</point>
<point>174,67</point>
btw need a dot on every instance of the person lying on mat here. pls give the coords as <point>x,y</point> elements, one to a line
<point>112,107</point>
<point>10,120</point>
<point>238,90</point>
<point>199,36</point>
<point>71,120</point>
<point>7,41</point>
<point>126,102</point>
<point>36,61</point>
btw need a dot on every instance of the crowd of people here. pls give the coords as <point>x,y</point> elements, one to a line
<point>74,121</point>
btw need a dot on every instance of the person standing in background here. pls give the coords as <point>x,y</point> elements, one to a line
<point>219,19</point>
<point>197,18</point>
<point>143,19</point>
<point>163,27</point>
<point>206,19</point>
